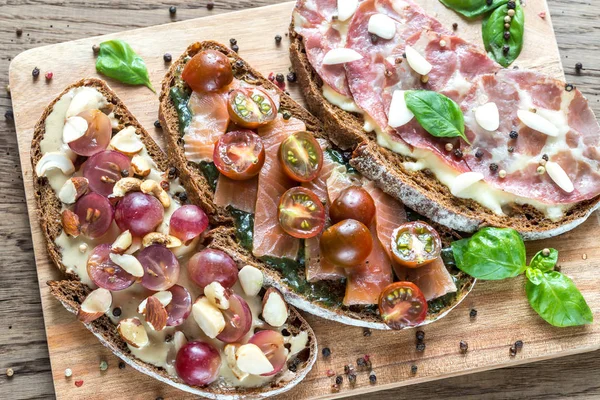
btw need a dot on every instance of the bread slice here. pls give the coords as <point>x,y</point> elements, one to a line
<point>72,293</point>
<point>224,237</point>
<point>419,190</point>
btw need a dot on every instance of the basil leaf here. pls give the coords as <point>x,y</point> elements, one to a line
<point>491,254</point>
<point>493,34</point>
<point>180,100</point>
<point>558,301</point>
<point>437,114</point>
<point>534,275</point>
<point>544,263</point>
<point>472,8</point>
<point>117,60</point>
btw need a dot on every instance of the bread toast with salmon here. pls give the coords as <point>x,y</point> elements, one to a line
<point>226,237</point>
<point>417,188</point>
<point>73,291</point>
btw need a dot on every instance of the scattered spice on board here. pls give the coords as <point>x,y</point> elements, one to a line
<point>578,67</point>
<point>172,10</point>
<point>542,15</point>
<point>413,369</point>
<point>584,256</point>
<point>9,116</point>
<point>68,372</point>
<point>79,383</point>
<point>235,48</point>
<point>372,378</point>
<point>464,347</point>
<point>122,365</point>
<point>96,48</point>
<point>455,26</point>
<point>167,57</point>
<point>10,372</point>
<point>103,365</point>
<point>335,387</point>
<point>339,379</point>
<point>157,124</point>
<point>352,377</point>
<point>35,73</point>
<point>286,115</point>
<point>420,347</point>
<point>19,31</point>
<point>271,77</point>
<point>519,344</point>
<point>278,39</point>
<point>48,75</point>
<point>232,41</point>
<point>291,77</point>
<point>367,332</point>
<point>210,5</point>
<point>493,167</point>
<point>117,310</point>
<point>330,373</point>
<point>512,351</point>
<point>473,313</point>
<point>326,352</point>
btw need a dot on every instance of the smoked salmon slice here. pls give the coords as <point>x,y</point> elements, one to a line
<point>240,195</point>
<point>269,238</point>
<point>433,279</point>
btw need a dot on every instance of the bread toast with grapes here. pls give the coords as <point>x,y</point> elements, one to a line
<point>72,291</point>
<point>224,237</point>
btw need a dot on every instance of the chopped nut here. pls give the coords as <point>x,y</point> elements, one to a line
<point>152,187</point>
<point>126,185</point>
<point>70,223</point>
<point>73,189</point>
<point>160,238</point>
<point>140,166</point>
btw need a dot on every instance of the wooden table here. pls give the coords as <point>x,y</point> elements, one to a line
<point>22,337</point>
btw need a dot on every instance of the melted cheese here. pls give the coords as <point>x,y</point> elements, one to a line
<point>338,99</point>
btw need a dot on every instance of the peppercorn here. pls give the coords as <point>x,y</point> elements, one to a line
<point>421,347</point>
<point>545,157</point>
<point>502,173</point>
<point>182,197</point>
<point>36,72</point>
<point>48,75</point>
<point>352,377</point>
<point>372,378</point>
<point>558,268</point>
<point>366,331</point>
<point>157,124</point>
<point>96,49</point>
<point>125,173</point>
<point>68,373</point>
<point>361,362</point>
<point>293,367</point>
<point>286,115</point>
<point>167,58</point>
<point>326,352</point>
<point>458,153</point>
<point>103,365</point>
<point>330,373</point>
<point>280,78</point>
<point>479,153</point>
<point>541,170</point>
<point>172,10</point>
<point>519,344</point>
<point>546,252</point>
<point>165,185</point>
<point>413,369</point>
<point>473,313</point>
<point>464,347</point>
<point>277,39</point>
<point>122,365</point>
<point>210,5</point>
<point>172,173</point>
<point>512,351</point>
<point>420,335</point>
<point>79,383</point>
<point>448,146</point>
<point>373,38</point>
<point>19,31</point>
<point>507,35</point>
<point>291,77</point>
<point>578,67</point>
<point>232,41</point>
<point>511,149</point>
<point>511,5</point>
<point>505,49</point>
<point>455,26</point>
<point>493,167</point>
<point>9,115</point>
<point>239,64</point>
<point>569,87</point>
<point>348,368</point>
<point>511,13</point>
<point>513,134</point>
<point>10,372</point>
<point>335,387</point>
<point>339,380</point>
<point>117,312</point>
<point>235,48</point>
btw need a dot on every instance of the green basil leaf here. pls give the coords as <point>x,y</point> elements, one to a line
<point>180,100</point>
<point>491,254</point>
<point>534,275</point>
<point>117,60</point>
<point>472,8</point>
<point>437,114</point>
<point>558,301</point>
<point>493,34</point>
<point>544,263</point>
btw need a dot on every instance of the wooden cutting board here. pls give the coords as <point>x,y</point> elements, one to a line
<point>504,315</point>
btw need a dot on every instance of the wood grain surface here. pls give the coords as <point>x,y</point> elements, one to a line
<point>22,338</point>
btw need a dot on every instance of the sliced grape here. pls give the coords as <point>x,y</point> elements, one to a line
<point>212,265</point>
<point>198,363</point>
<point>105,273</point>
<point>97,137</point>
<point>161,268</point>
<point>272,345</point>
<point>238,320</point>
<point>104,169</point>
<point>139,213</point>
<point>188,222</point>
<point>95,214</point>
<point>180,306</point>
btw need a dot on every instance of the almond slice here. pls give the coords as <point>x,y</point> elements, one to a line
<point>559,176</point>
<point>155,313</point>
<point>74,128</point>
<point>165,297</point>
<point>251,279</point>
<point>179,340</point>
<point>488,117</point>
<point>275,310</point>
<point>73,189</point>
<point>54,160</point>
<point>417,62</point>
<point>464,181</point>
<point>251,359</point>
<point>127,141</point>
<point>217,295</point>
<point>382,26</point>
<point>95,305</point>
<point>208,317</point>
<point>129,263</point>
<point>346,9</point>
<point>70,223</point>
<point>122,242</point>
<point>399,113</point>
<point>340,55</point>
<point>160,238</point>
<point>140,166</point>
<point>136,244</point>
<point>537,123</point>
<point>229,351</point>
<point>133,333</point>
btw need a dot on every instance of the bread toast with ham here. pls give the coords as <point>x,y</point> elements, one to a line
<point>226,237</point>
<point>395,173</point>
<point>71,292</point>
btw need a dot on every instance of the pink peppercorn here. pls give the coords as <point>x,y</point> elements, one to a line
<point>49,75</point>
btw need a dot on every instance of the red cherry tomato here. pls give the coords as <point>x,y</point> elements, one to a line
<point>415,244</point>
<point>353,202</point>
<point>208,71</point>
<point>251,107</point>
<point>402,304</point>
<point>301,156</point>
<point>300,213</point>
<point>347,243</point>
<point>239,155</point>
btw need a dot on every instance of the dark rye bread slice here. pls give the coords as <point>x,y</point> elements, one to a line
<point>224,237</point>
<point>419,190</point>
<point>72,293</point>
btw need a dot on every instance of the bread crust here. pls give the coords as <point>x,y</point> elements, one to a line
<point>419,190</point>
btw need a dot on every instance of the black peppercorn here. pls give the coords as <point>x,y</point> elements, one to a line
<point>36,72</point>
<point>413,369</point>
<point>545,157</point>
<point>182,197</point>
<point>96,49</point>
<point>286,115</point>
<point>125,173</point>
<point>210,5</point>
<point>513,134</point>
<point>167,58</point>
<point>578,67</point>
<point>232,41</point>
<point>172,173</point>
<point>458,153</point>
<point>235,48</point>
<point>277,39</point>
<point>455,26</point>
<point>9,115</point>
<point>519,344</point>
<point>352,377</point>
<point>157,124</point>
<point>569,87</point>
<point>172,10</point>
<point>280,78</point>
<point>373,378</point>
<point>239,64</point>
<point>505,49</point>
<point>511,5</point>
<point>122,365</point>
<point>421,346</point>
<point>366,331</point>
<point>326,352</point>
<point>420,335</point>
<point>507,35</point>
<point>291,77</point>
<point>293,367</point>
<point>19,31</point>
<point>479,153</point>
<point>347,369</point>
<point>512,351</point>
<point>373,38</point>
<point>360,362</point>
<point>339,380</point>
<point>464,347</point>
<point>511,149</point>
<point>117,312</point>
<point>493,167</point>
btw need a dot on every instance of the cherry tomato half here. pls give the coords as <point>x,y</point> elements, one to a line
<point>300,213</point>
<point>347,243</point>
<point>353,202</point>
<point>301,156</point>
<point>415,244</point>
<point>239,155</point>
<point>402,304</point>
<point>208,71</point>
<point>251,107</point>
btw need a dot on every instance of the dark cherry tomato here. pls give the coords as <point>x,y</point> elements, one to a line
<point>415,244</point>
<point>300,213</point>
<point>301,156</point>
<point>347,243</point>
<point>353,202</point>
<point>208,71</point>
<point>402,304</point>
<point>239,155</point>
<point>251,107</point>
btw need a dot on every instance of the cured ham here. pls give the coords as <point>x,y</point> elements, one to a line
<point>240,195</point>
<point>433,279</point>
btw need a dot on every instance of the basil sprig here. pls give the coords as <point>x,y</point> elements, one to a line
<point>437,114</point>
<point>504,49</point>
<point>117,60</point>
<point>472,8</point>
<point>499,253</point>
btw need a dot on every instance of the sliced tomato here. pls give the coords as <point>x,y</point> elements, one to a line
<point>300,213</point>
<point>402,304</point>
<point>208,71</point>
<point>347,243</point>
<point>415,244</point>
<point>251,107</point>
<point>301,156</point>
<point>239,155</point>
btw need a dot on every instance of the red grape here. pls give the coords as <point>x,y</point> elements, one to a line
<point>105,273</point>
<point>212,265</point>
<point>187,222</point>
<point>104,169</point>
<point>238,320</point>
<point>180,306</point>
<point>198,363</point>
<point>139,213</point>
<point>97,137</point>
<point>271,343</point>
<point>161,268</point>
<point>95,214</point>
